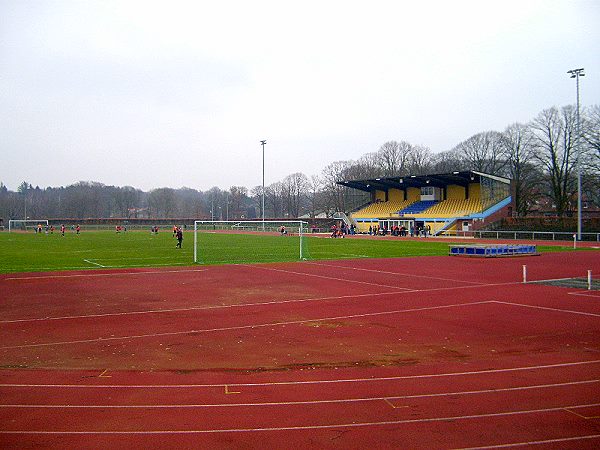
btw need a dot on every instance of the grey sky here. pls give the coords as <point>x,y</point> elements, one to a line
<point>157,94</point>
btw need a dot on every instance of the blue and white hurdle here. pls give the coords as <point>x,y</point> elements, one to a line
<point>492,250</point>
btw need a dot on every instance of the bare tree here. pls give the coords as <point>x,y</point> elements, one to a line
<point>519,151</point>
<point>256,196</point>
<point>162,202</point>
<point>591,135</point>
<point>449,161</point>
<point>336,196</point>
<point>126,198</point>
<point>215,198</point>
<point>296,187</point>
<point>483,152</point>
<point>393,156</point>
<point>554,137</point>
<point>590,154</point>
<point>420,160</point>
<point>9,202</point>
<point>237,201</point>
<point>367,166</point>
<point>189,203</point>
<point>314,194</point>
<point>274,195</point>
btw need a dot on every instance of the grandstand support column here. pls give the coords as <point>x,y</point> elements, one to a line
<point>576,73</point>
<point>263,142</point>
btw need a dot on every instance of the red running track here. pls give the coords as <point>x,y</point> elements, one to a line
<point>438,352</point>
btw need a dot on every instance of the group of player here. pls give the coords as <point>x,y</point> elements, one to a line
<point>342,230</point>
<point>49,229</point>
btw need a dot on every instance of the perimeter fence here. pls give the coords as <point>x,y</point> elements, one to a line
<point>523,235</point>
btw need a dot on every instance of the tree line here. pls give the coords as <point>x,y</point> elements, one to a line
<point>542,157</point>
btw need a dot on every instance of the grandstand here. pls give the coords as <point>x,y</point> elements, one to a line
<point>382,209</point>
<point>444,203</point>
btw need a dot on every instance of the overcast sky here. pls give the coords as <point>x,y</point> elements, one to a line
<point>171,94</point>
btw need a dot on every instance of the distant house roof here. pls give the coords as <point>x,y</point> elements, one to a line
<point>462,178</point>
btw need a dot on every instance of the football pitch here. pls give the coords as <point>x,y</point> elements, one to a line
<point>30,252</point>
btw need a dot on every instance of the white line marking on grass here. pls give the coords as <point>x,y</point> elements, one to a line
<point>112,274</point>
<point>239,327</point>
<point>396,273</point>
<point>96,264</point>
<point>136,258</point>
<point>310,427</point>
<point>546,308</point>
<point>298,383</point>
<point>305,402</point>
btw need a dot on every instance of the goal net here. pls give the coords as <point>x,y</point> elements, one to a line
<point>24,225</point>
<point>230,241</point>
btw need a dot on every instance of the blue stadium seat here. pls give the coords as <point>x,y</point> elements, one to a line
<point>418,207</point>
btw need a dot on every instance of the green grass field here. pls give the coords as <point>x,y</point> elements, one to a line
<point>30,252</point>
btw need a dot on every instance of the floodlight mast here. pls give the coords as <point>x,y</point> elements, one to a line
<point>263,142</point>
<point>576,73</point>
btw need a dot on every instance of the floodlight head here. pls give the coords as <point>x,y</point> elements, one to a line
<point>576,72</point>
<point>263,142</point>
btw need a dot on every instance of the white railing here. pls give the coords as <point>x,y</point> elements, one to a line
<point>342,216</point>
<point>524,235</point>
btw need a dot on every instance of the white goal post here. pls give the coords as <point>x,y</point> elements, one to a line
<point>296,228</point>
<point>20,224</point>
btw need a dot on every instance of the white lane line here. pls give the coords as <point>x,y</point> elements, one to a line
<point>312,427</point>
<point>310,402</point>
<point>345,280</point>
<point>529,443</point>
<point>545,308</point>
<point>9,270</point>
<point>209,307</point>
<point>238,327</point>
<point>335,297</point>
<point>308,382</point>
<point>112,274</point>
<point>584,294</point>
<point>395,273</point>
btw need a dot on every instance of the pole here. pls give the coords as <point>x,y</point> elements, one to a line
<point>576,73</point>
<point>300,237</point>
<point>263,142</point>
<point>578,168</point>
<point>524,273</point>
<point>589,280</point>
<point>195,241</point>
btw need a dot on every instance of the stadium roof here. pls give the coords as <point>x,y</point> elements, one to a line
<point>418,181</point>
